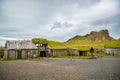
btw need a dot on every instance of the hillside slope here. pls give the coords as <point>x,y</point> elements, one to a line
<point>95,39</point>
<point>102,35</point>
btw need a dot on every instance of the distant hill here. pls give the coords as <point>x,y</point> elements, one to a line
<point>95,39</point>
<point>102,35</point>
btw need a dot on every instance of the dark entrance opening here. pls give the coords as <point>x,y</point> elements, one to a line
<point>42,54</point>
<point>80,53</point>
<point>19,54</point>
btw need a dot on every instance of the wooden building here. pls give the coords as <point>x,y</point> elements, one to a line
<point>20,49</point>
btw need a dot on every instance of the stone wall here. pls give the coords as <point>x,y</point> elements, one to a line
<point>73,52</point>
<point>112,51</point>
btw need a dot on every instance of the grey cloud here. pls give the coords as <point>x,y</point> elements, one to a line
<point>111,23</point>
<point>110,20</point>
<point>56,25</point>
<point>87,3</point>
<point>81,3</point>
<point>115,31</point>
<point>61,25</point>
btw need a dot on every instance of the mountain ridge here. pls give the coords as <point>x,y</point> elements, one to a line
<point>102,35</point>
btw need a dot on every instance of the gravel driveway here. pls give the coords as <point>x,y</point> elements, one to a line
<point>106,68</point>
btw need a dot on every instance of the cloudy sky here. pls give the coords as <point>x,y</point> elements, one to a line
<point>57,19</point>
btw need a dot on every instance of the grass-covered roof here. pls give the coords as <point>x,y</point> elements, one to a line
<point>56,45</point>
<point>81,48</point>
<point>40,41</point>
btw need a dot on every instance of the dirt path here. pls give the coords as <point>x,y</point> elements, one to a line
<point>107,68</point>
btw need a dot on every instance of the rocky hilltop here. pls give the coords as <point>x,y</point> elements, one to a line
<point>102,35</point>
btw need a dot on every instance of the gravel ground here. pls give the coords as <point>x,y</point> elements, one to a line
<point>106,68</point>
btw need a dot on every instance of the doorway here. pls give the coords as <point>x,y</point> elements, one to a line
<point>80,53</point>
<point>19,55</point>
<point>42,54</point>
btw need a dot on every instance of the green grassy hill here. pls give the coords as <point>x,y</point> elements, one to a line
<point>83,44</point>
<point>113,44</point>
<point>95,39</point>
<point>102,35</point>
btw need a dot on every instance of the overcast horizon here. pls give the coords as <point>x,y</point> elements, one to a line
<point>57,20</point>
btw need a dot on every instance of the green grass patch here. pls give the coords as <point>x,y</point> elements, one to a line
<point>11,59</point>
<point>75,57</point>
<point>1,59</point>
<point>117,55</point>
